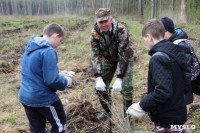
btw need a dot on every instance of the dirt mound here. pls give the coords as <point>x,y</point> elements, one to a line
<point>77,26</point>
<point>81,114</point>
<point>11,58</point>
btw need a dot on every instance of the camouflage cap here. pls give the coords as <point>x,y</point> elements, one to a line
<point>102,14</point>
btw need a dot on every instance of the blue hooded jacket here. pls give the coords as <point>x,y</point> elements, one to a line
<point>39,75</point>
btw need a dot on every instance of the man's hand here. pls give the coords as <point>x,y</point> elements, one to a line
<point>100,85</point>
<point>135,110</point>
<point>69,76</point>
<point>117,86</point>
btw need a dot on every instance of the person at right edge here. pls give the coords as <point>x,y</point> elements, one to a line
<point>179,37</point>
<point>111,51</point>
<point>165,99</point>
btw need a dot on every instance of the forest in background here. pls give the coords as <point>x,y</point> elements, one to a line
<point>183,10</point>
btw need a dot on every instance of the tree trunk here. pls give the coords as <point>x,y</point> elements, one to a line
<point>29,7</point>
<point>172,9</point>
<point>93,6</point>
<point>12,7</point>
<point>155,8</point>
<point>183,11</point>
<point>24,7</point>
<point>7,8</point>
<point>140,9</point>
<point>109,3</point>
<point>15,7</point>
<point>122,7</point>
<point>2,10</point>
<point>42,7</point>
<point>160,8</point>
<point>152,9</point>
<point>38,11</point>
<point>133,7</point>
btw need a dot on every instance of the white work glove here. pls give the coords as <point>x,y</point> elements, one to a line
<point>117,86</point>
<point>135,110</point>
<point>69,76</point>
<point>67,73</point>
<point>100,85</point>
<point>69,81</point>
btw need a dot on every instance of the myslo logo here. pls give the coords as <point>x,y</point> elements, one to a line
<point>186,127</point>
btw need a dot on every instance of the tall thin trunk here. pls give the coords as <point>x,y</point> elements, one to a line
<point>172,8</point>
<point>7,7</point>
<point>183,11</point>
<point>29,7</point>
<point>38,11</point>
<point>48,7</point>
<point>133,7</point>
<point>155,8</point>
<point>93,6</point>
<point>140,8</point>
<point>15,7</point>
<point>24,7</point>
<point>42,6</point>
<point>12,7</point>
<point>2,10</point>
<point>160,8</point>
<point>152,9</point>
<point>122,7</point>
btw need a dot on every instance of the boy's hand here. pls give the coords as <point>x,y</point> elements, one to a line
<point>135,110</point>
<point>100,85</point>
<point>117,86</point>
<point>69,81</point>
<point>69,76</point>
<point>67,73</point>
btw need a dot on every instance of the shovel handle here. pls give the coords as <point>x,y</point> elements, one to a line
<point>109,87</point>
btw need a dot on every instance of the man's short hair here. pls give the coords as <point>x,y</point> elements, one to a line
<point>155,28</point>
<point>50,29</point>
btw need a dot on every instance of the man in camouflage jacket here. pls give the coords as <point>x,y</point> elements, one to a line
<point>110,51</point>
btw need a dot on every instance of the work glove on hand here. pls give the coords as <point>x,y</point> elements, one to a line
<point>69,76</point>
<point>69,81</point>
<point>135,110</point>
<point>100,85</point>
<point>67,73</point>
<point>117,86</point>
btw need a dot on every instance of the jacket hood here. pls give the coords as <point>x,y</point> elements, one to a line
<point>174,51</point>
<point>179,34</point>
<point>36,43</point>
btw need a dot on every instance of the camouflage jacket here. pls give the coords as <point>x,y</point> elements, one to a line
<point>118,51</point>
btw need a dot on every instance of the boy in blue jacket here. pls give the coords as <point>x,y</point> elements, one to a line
<point>40,80</point>
<point>165,99</point>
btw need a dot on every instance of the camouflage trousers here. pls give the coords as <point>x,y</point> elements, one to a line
<point>108,74</point>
